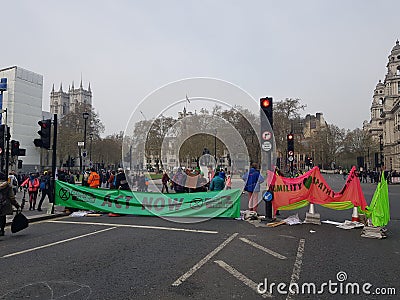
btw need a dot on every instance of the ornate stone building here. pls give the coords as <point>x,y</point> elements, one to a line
<point>384,124</point>
<point>61,103</point>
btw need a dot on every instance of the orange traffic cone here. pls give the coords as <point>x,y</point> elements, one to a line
<point>354,216</point>
<point>113,215</point>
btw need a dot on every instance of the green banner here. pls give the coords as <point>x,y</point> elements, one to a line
<point>224,203</point>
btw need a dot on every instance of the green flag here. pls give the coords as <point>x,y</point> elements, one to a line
<point>379,210</point>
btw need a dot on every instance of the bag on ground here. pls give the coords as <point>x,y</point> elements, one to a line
<point>19,223</point>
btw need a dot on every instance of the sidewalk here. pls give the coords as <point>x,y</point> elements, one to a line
<point>34,215</point>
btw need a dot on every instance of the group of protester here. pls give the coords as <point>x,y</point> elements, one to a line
<point>193,180</point>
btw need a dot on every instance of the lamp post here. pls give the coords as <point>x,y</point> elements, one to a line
<point>90,146</point>
<point>85,117</point>
<point>380,151</point>
<point>215,146</point>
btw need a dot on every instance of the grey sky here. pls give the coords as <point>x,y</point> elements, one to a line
<point>330,54</point>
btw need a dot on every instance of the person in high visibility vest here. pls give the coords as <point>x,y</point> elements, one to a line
<point>94,179</point>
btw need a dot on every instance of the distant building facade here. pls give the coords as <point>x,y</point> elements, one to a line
<point>23,101</point>
<point>62,103</point>
<point>384,124</point>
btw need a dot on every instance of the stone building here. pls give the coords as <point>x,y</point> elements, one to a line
<point>61,103</point>
<point>384,124</point>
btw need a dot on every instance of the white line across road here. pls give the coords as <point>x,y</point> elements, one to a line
<point>297,266</point>
<point>203,261</point>
<point>250,283</point>
<point>56,243</point>
<point>136,226</point>
<point>255,245</point>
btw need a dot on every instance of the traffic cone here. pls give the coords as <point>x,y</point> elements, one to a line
<point>354,216</point>
<point>113,215</point>
<point>312,217</point>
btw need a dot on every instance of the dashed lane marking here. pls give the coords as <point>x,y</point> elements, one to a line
<point>56,243</point>
<point>297,267</point>
<point>266,250</point>
<point>247,281</point>
<point>197,266</point>
<point>136,226</point>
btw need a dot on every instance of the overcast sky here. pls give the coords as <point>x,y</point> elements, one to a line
<point>330,54</point>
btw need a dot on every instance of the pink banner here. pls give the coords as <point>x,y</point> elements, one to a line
<point>311,186</point>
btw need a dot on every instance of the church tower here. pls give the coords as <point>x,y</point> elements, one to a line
<point>61,103</point>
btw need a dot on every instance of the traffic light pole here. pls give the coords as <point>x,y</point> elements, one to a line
<point>53,164</point>
<point>7,149</point>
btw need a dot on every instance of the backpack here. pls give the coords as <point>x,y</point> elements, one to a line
<point>44,183</point>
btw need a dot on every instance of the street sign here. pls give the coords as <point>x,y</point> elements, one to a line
<point>266,146</point>
<point>266,135</point>
<point>81,144</point>
<point>268,196</point>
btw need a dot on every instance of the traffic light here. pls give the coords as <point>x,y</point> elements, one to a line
<point>2,138</point>
<point>45,133</point>
<point>14,148</point>
<point>266,106</point>
<point>290,142</point>
<point>290,146</point>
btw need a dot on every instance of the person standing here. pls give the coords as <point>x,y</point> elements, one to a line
<point>217,183</point>
<point>12,179</point>
<point>111,180</point>
<point>165,179</point>
<point>120,180</point>
<point>253,178</point>
<point>228,181</point>
<point>33,187</point>
<point>45,188</point>
<point>94,179</point>
<point>7,199</point>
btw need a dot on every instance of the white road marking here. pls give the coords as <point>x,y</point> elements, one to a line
<point>250,283</point>
<point>56,243</point>
<point>297,266</point>
<point>203,261</point>
<point>287,236</point>
<point>136,226</point>
<point>255,245</point>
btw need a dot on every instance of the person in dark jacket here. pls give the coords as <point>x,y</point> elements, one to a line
<point>45,188</point>
<point>120,180</point>
<point>165,180</point>
<point>7,199</point>
<point>253,178</point>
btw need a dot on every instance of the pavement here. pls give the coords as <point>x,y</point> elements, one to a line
<point>35,215</point>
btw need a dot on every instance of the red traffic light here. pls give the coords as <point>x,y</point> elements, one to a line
<point>43,124</point>
<point>290,136</point>
<point>265,102</point>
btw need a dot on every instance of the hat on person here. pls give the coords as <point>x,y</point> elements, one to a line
<point>120,170</point>
<point>45,172</point>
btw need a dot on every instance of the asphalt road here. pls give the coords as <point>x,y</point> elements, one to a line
<point>132,257</point>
